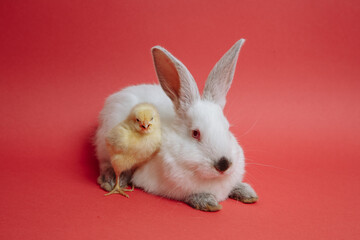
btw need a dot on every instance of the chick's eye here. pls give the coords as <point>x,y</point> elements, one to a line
<point>196,134</point>
<point>137,120</point>
<point>151,119</point>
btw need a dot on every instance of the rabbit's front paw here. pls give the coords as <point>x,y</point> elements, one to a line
<point>106,180</point>
<point>203,201</point>
<point>243,192</point>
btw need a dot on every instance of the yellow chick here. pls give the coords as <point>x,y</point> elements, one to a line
<point>133,141</point>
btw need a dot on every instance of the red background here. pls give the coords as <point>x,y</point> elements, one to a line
<point>294,106</point>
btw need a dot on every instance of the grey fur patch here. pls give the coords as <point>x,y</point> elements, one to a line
<point>203,201</point>
<point>107,178</point>
<point>243,192</point>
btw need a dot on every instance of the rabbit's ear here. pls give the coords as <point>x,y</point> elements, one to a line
<point>175,79</point>
<point>221,76</point>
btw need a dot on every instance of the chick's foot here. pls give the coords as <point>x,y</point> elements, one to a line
<point>120,190</point>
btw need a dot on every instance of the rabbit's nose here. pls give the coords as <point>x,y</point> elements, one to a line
<point>222,165</point>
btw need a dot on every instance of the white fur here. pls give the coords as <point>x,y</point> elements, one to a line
<point>183,165</point>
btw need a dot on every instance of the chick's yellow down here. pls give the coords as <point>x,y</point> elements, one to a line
<point>133,141</point>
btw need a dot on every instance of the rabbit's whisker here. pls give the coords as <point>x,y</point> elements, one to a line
<point>249,129</point>
<point>265,165</point>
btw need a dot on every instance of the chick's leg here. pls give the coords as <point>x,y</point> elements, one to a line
<point>119,165</point>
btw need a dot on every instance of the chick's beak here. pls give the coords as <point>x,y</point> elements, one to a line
<point>144,125</point>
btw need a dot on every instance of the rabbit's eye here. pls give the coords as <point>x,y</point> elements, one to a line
<point>196,134</point>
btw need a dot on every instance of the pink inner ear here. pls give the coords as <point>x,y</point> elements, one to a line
<point>167,74</point>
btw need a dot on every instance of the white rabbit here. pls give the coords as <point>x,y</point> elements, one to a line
<point>199,162</point>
